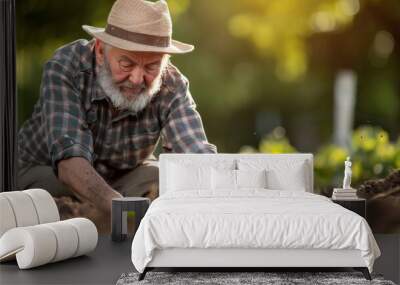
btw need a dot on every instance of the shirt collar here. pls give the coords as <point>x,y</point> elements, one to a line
<point>86,63</point>
<point>97,91</point>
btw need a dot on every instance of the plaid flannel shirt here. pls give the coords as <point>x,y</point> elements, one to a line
<point>73,117</point>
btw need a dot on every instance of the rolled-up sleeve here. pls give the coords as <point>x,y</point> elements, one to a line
<point>183,130</point>
<point>67,132</point>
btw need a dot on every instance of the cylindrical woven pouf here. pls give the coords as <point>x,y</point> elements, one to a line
<point>87,235</point>
<point>40,244</point>
<point>67,239</point>
<point>23,208</point>
<point>7,218</point>
<point>33,246</point>
<point>45,205</point>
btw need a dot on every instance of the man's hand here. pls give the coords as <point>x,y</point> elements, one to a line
<point>86,183</point>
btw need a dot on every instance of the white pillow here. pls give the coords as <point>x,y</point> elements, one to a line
<point>251,178</point>
<point>227,179</point>
<point>282,174</point>
<point>183,177</point>
<point>224,179</point>
<point>214,161</point>
<point>278,180</point>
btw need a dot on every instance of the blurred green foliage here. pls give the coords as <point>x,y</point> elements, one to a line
<point>251,57</point>
<point>281,28</point>
<point>372,154</point>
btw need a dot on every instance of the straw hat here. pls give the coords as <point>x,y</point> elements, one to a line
<point>139,25</point>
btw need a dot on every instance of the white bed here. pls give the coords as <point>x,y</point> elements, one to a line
<point>201,223</point>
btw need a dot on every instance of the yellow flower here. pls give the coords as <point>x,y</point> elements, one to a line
<point>337,155</point>
<point>382,137</point>
<point>385,152</point>
<point>367,144</point>
<point>330,156</point>
<point>276,146</point>
<point>367,138</point>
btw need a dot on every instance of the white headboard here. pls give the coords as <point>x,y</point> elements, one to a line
<point>229,159</point>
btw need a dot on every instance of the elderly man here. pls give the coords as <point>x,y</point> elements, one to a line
<point>103,106</point>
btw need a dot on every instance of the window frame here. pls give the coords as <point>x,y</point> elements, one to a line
<point>8,97</point>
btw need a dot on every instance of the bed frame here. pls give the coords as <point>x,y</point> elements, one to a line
<point>248,259</point>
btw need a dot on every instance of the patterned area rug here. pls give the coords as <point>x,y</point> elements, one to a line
<point>230,278</point>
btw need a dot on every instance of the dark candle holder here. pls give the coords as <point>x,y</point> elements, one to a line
<point>119,215</point>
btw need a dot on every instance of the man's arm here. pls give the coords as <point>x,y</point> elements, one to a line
<point>69,139</point>
<point>183,130</point>
<point>85,182</point>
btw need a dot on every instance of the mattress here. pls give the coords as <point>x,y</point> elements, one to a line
<point>251,219</point>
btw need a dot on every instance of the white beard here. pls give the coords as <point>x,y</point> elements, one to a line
<point>119,101</point>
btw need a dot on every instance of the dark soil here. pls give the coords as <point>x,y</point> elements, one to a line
<point>383,203</point>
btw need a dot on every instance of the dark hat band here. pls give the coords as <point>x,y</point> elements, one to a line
<point>139,38</point>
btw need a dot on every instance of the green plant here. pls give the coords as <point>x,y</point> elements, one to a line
<point>372,154</point>
<point>376,155</point>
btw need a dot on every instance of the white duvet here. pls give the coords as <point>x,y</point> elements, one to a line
<point>250,219</point>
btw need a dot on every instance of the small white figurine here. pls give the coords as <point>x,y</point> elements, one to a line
<point>347,174</point>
